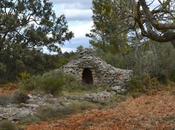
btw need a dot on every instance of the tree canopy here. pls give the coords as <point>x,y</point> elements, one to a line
<point>108,29</point>
<point>135,29</point>
<point>152,19</point>
<point>31,24</point>
<point>26,27</point>
<point>156,22</point>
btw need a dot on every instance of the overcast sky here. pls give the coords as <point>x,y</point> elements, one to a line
<point>78,14</point>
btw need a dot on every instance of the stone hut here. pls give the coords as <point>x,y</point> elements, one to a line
<point>90,69</point>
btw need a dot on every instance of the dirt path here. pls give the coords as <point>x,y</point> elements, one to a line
<point>154,112</point>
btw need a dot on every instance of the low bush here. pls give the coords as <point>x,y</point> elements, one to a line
<point>29,84</point>
<point>57,83</point>
<point>24,75</point>
<point>52,82</point>
<point>7,125</point>
<point>138,85</point>
<point>48,83</point>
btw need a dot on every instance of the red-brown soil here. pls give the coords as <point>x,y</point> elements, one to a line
<point>8,89</point>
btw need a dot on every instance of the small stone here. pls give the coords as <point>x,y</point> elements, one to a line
<point>103,96</point>
<point>116,88</point>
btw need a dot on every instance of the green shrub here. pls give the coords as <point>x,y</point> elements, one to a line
<point>55,82</point>
<point>7,125</point>
<point>138,85</point>
<point>52,82</point>
<point>24,75</point>
<point>29,84</point>
<point>135,85</point>
<point>162,78</point>
<point>150,82</point>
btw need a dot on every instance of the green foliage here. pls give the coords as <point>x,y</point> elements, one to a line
<point>30,84</point>
<point>156,60</point>
<point>31,24</point>
<point>172,76</point>
<point>26,27</point>
<point>145,84</point>
<point>7,125</point>
<point>24,75</point>
<point>109,32</point>
<point>151,58</point>
<point>115,41</point>
<point>56,82</point>
<point>31,62</point>
<point>53,82</point>
<point>46,83</point>
<point>118,60</point>
<point>136,84</point>
<point>2,68</point>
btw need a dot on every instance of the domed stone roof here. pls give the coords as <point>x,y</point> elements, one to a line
<point>90,69</point>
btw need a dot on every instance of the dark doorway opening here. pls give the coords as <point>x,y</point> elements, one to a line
<point>87,77</point>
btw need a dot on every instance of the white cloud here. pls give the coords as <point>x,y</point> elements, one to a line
<point>83,4</point>
<point>77,14</point>
<point>80,28</point>
<point>75,6</point>
<point>74,43</point>
<point>73,13</point>
<point>66,49</point>
<point>79,17</point>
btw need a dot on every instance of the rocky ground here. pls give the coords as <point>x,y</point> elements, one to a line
<point>155,111</point>
<point>147,112</point>
<point>39,102</point>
